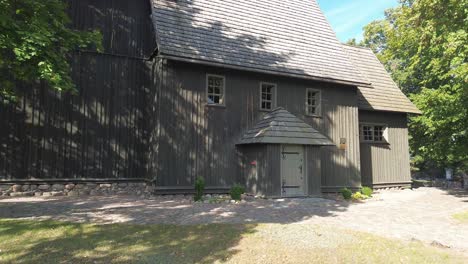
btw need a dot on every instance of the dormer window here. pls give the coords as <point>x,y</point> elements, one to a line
<point>313,102</point>
<point>215,89</point>
<point>267,96</point>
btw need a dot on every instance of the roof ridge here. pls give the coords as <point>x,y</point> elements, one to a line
<point>357,47</point>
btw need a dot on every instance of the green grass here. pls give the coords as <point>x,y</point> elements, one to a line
<point>462,217</point>
<point>59,242</point>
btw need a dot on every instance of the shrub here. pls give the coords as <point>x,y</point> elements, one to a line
<point>367,191</point>
<point>347,193</point>
<point>358,196</point>
<point>199,189</point>
<point>236,192</point>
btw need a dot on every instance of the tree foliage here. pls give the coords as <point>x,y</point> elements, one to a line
<point>424,44</point>
<point>35,42</point>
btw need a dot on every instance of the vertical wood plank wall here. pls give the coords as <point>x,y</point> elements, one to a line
<point>101,132</point>
<point>261,167</point>
<point>386,164</point>
<point>314,170</point>
<point>199,140</point>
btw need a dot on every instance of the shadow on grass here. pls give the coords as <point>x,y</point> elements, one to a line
<point>56,242</point>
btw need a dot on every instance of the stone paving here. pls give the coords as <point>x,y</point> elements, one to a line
<point>423,214</point>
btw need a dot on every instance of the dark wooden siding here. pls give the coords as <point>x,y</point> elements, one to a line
<point>101,132</point>
<point>199,140</point>
<point>314,171</point>
<point>125,25</point>
<point>261,169</point>
<point>98,133</point>
<point>386,164</point>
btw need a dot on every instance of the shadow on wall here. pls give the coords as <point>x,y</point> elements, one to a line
<point>98,133</point>
<point>192,139</point>
<point>101,131</point>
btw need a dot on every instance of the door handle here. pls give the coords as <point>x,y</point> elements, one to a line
<point>300,168</point>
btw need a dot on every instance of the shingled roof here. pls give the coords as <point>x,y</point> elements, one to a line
<point>282,127</point>
<point>384,95</point>
<point>273,36</point>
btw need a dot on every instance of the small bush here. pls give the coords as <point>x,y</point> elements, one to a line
<point>367,191</point>
<point>358,196</point>
<point>199,188</point>
<point>347,193</point>
<point>236,192</point>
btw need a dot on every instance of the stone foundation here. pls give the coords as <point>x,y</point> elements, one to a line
<point>76,189</point>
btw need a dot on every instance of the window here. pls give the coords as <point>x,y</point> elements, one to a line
<point>267,96</point>
<point>379,133</point>
<point>373,133</point>
<point>367,133</point>
<point>215,89</point>
<point>313,104</point>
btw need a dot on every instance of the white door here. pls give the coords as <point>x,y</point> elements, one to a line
<point>292,170</point>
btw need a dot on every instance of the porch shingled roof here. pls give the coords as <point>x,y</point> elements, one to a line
<point>282,127</point>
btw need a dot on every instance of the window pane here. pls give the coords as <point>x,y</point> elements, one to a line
<point>312,102</point>
<point>267,96</point>
<point>312,110</point>
<point>378,133</point>
<point>210,99</point>
<point>215,89</point>
<point>367,133</point>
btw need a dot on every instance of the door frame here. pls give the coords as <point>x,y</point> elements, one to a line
<point>304,171</point>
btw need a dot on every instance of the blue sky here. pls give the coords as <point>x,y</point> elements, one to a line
<point>348,17</point>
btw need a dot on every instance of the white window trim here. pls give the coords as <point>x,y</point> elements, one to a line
<point>223,96</point>
<point>385,133</point>
<point>318,106</point>
<point>273,101</point>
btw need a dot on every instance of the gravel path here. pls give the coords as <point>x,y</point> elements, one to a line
<point>423,214</point>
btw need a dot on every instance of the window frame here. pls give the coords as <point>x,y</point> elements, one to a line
<point>223,92</point>
<point>373,125</point>
<point>317,106</point>
<point>274,97</point>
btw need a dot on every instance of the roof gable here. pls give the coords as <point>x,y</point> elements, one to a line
<point>291,37</point>
<point>384,95</point>
<point>282,127</point>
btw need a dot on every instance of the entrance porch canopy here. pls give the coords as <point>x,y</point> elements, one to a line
<point>282,127</point>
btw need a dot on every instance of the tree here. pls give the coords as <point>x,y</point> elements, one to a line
<point>353,42</point>
<point>423,43</point>
<point>35,44</point>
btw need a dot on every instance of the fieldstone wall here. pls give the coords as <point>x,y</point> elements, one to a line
<point>76,189</point>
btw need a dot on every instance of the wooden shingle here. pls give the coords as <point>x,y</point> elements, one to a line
<point>384,95</point>
<point>274,36</point>
<point>282,127</point>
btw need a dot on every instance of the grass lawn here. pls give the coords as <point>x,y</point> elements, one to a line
<point>59,242</point>
<point>462,217</point>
